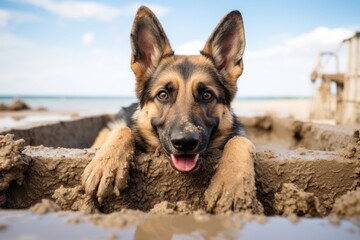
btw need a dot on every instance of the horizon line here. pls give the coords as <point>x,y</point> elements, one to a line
<point>14,96</point>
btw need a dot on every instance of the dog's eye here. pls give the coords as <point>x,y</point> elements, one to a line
<point>206,96</point>
<point>163,96</point>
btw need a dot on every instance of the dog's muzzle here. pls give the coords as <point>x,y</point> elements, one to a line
<point>185,157</point>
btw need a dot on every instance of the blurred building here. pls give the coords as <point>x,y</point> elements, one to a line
<point>343,104</point>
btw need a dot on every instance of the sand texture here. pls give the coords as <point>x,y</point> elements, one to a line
<point>302,169</point>
<point>13,164</point>
<point>153,181</point>
<point>348,205</point>
<point>291,200</point>
<point>46,174</point>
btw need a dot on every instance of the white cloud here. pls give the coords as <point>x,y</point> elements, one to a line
<point>320,39</point>
<point>88,38</point>
<point>77,10</point>
<point>284,69</point>
<point>8,41</point>
<point>27,68</point>
<point>91,10</point>
<point>190,48</point>
<point>7,17</point>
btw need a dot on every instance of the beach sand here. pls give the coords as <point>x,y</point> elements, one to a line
<point>295,108</point>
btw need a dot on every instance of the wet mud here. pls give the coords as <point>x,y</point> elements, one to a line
<point>302,170</point>
<point>13,164</point>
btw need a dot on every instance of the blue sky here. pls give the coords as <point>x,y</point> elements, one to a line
<point>56,47</point>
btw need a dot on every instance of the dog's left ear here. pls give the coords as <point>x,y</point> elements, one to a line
<point>226,47</point>
<point>149,44</point>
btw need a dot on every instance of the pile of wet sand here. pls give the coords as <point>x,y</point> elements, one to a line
<point>13,164</point>
<point>287,184</point>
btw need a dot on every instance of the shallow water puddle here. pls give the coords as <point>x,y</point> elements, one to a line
<point>26,225</point>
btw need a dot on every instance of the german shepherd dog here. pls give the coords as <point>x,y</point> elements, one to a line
<point>183,107</point>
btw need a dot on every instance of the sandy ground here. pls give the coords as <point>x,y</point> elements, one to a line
<point>11,119</point>
<point>296,108</point>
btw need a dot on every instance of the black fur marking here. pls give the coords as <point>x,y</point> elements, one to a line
<point>169,87</point>
<point>140,142</point>
<point>145,96</point>
<point>126,114</point>
<point>186,69</point>
<point>238,127</point>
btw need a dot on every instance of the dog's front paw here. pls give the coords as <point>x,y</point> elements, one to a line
<point>234,194</point>
<point>233,185</point>
<point>108,172</point>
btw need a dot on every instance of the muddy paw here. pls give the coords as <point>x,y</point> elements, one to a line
<point>108,173</point>
<point>235,195</point>
<point>233,185</point>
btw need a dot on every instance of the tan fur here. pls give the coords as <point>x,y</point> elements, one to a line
<point>144,125</point>
<point>101,137</point>
<point>225,126</point>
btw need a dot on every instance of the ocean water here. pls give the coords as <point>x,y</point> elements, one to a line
<point>61,108</point>
<point>76,104</point>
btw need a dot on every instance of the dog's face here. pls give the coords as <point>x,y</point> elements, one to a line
<point>185,100</point>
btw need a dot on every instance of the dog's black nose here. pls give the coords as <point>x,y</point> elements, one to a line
<point>185,141</point>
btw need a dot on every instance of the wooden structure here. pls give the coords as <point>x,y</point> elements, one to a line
<point>344,107</point>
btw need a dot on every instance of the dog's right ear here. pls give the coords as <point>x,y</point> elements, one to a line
<point>149,45</point>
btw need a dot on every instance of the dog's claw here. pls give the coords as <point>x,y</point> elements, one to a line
<point>212,196</point>
<point>106,186</point>
<point>90,180</point>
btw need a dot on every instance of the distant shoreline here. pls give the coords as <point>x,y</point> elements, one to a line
<point>251,98</point>
<point>61,108</point>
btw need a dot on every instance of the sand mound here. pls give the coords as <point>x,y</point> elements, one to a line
<point>291,200</point>
<point>348,205</point>
<point>12,164</point>
<point>166,207</point>
<point>74,199</point>
<point>44,207</point>
<point>353,150</point>
<point>46,174</point>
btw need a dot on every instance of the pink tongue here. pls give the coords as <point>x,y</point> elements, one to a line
<point>184,163</point>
